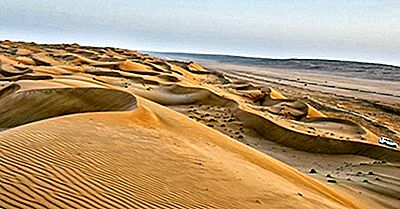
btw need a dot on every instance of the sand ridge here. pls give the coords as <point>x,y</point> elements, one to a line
<point>84,134</point>
<point>64,169</point>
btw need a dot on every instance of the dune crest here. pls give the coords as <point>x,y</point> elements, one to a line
<point>130,160</point>
<point>87,127</point>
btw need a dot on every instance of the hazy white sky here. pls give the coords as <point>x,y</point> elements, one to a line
<point>336,29</point>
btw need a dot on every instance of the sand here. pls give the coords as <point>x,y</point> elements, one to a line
<point>86,127</point>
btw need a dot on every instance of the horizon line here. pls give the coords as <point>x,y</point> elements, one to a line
<point>391,64</point>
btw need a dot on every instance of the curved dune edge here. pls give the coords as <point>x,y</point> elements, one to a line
<point>151,157</point>
<point>272,129</point>
<point>166,83</point>
<point>19,107</point>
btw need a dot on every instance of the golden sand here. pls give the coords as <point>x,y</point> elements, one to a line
<point>86,128</point>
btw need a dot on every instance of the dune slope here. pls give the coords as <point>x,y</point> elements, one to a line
<point>151,157</point>
<point>86,127</point>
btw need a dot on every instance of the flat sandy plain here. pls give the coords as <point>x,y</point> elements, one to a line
<point>89,127</point>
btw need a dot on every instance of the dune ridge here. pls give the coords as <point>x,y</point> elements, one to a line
<point>59,171</point>
<point>21,107</point>
<point>87,127</point>
<point>281,132</point>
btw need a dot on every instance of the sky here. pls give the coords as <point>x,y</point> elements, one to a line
<point>361,30</point>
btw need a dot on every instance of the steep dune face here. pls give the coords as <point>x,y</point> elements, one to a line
<point>315,133</point>
<point>152,158</point>
<point>318,143</point>
<point>21,107</point>
<point>80,132</point>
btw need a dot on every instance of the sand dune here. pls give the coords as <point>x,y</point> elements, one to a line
<point>21,107</point>
<point>87,127</point>
<point>138,159</point>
